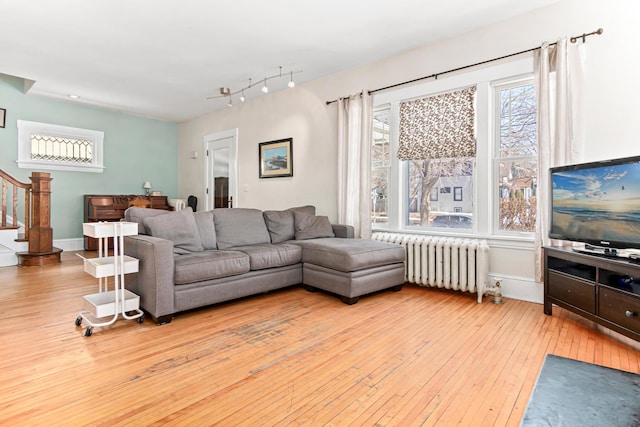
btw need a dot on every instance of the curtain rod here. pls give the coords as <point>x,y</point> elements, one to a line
<point>573,39</point>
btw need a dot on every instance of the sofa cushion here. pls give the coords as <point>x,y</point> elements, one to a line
<point>271,255</point>
<point>179,227</point>
<point>208,265</point>
<point>138,215</point>
<point>281,224</point>
<point>350,254</point>
<point>206,230</point>
<point>239,227</point>
<point>311,226</point>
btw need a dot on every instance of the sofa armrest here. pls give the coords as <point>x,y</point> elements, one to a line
<point>154,280</point>
<point>342,230</point>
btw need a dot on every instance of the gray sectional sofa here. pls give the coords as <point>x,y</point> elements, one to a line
<point>194,259</point>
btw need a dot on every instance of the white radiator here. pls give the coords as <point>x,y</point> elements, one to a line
<point>443,262</point>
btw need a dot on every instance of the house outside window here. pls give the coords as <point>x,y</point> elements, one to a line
<point>47,146</point>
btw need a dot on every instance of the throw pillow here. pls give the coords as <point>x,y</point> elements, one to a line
<point>311,226</point>
<point>179,227</point>
<point>206,229</point>
<point>138,215</point>
<point>280,225</point>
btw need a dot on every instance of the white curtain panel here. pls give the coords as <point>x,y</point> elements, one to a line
<point>354,181</point>
<point>559,73</point>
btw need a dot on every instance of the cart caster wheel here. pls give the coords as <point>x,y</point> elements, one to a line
<point>88,332</point>
<point>79,321</point>
<point>140,319</point>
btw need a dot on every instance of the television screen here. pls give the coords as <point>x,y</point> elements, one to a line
<point>597,203</point>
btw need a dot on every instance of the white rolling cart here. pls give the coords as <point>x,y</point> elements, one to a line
<point>118,301</point>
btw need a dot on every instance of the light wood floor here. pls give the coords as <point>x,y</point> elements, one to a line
<point>415,357</point>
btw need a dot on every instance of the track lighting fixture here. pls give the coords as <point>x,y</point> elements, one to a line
<point>291,82</point>
<point>227,92</point>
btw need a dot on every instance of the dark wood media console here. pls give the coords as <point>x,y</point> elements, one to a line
<point>604,290</point>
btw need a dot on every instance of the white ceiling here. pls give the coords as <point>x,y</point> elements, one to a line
<point>162,59</point>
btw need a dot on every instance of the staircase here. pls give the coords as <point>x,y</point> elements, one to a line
<point>29,243</point>
<point>10,244</point>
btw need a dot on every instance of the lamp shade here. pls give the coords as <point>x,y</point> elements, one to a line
<point>147,185</point>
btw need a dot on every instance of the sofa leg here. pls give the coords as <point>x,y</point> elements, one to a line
<point>348,300</point>
<point>309,288</point>
<point>162,320</point>
<point>397,288</point>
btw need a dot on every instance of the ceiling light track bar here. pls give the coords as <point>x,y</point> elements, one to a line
<point>226,92</point>
<point>573,39</point>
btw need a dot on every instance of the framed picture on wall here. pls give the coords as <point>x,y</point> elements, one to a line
<point>275,158</point>
<point>3,117</point>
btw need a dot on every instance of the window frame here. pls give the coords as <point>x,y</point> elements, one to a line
<point>483,194</point>
<point>28,128</point>
<point>496,86</point>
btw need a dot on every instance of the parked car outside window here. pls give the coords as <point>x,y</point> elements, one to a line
<point>453,220</point>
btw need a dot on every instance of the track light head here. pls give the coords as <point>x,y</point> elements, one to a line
<point>230,103</point>
<point>265,89</point>
<point>291,82</point>
<point>242,98</point>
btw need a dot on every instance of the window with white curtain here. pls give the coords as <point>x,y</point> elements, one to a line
<point>461,190</point>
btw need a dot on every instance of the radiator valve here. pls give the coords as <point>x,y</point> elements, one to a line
<point>496,292</point>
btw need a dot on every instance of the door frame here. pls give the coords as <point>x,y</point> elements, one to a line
<point>224,139</point>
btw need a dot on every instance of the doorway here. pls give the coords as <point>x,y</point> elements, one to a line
<point>221,169</point>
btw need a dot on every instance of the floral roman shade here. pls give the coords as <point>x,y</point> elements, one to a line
<point>438,126</point>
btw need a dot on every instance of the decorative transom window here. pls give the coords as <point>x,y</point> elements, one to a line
<point>46,146</point>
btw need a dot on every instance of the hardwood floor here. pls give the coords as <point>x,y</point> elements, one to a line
<point>415,357</point>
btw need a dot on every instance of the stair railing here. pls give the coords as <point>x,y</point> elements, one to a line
<point>15,187</point>
<point>36,208</point>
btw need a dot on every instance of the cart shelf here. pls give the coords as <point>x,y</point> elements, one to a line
<point>105,266</point>
<point>103,304</point>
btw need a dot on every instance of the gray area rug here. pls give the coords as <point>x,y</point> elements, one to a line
<point>573,393</point>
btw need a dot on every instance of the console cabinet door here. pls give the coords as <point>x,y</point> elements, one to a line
<point>619,307</point>
<point>572,290</point>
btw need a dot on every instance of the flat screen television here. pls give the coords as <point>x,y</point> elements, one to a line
<point>597,203</point>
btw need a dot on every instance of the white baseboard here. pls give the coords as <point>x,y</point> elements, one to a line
<point>522,288</point>
<point>69,244</point>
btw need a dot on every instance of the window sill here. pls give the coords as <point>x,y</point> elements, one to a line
<point>61,166</point>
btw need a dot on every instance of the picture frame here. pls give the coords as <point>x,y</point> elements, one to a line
<point>3,117</point>
<point>275,158</point>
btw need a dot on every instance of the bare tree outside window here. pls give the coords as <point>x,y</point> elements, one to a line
<point>424,175</point>
<point>517,157</point>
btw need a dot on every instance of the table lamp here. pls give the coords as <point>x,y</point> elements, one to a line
<point>147,187</point>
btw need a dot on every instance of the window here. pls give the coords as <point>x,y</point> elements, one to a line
<point>484,186</point>
<point>457,194</point>
<point>431,177</point>
<point>516,156</point>
<point>380,166</point>
<point>46,146</point>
